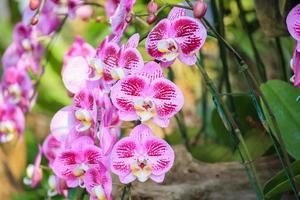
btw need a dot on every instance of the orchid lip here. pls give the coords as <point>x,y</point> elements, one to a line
<point>85,119</point>
<point>7,128</point>
<point>15,91</point>
<point>145,108</point>
<point>98,191</point>
<point>26,44</point>
<point>141,169</point>
<point>97,68</point>
<point>117,73</point>
<point>170,49</point>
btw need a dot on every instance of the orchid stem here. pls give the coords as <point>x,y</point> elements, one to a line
<point>281,58</point>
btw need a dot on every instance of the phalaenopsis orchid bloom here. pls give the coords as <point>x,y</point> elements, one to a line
<point>34,173</point>
<point>12,122</point>
<point>147,95</point>
<point>110,64</point>
<point>293,24</point>
<point>77,119</point>
<point>141,156</point>
<point>98,183</point>
<point>177,36</point>
<point>52,147</point>
<point>72,164</point>
<point>17,88</point>
<point>25,52</point>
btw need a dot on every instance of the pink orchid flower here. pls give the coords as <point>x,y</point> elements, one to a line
<point>177,36</point>
<point>293,25</point>
<point>34,173</point>
<point>25,52</point>
<point>120,62</point>
<point>147,95</point>
<point>79,118</point>
<point>98,183</point>
<point>12,122</point>
<point>72,164</point>
<point>57,186</point>
<point>17,88</point>
<point>76,65</point>
<point>110,64</point>
<point>121,17</point>
<point>52,148</point>
<point>141,156</point>
<point>67,7</point>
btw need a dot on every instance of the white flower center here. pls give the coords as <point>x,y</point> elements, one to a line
<point>142,169</point>
<point>145,108</point>
<point>117,73</point>
<point>85,119</point>
<point>15,91</point>
<point>98,191</point>
<point>26,44</point>
<point>97,68</point>
<point>7,128</point>
<point>170,49</point>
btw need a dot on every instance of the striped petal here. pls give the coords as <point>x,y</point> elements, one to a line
<point>293,23</point>
<point>159,32</point>
<point>189,34</point>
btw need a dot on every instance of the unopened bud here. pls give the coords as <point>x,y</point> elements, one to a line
<point>84,12</point>
<point>151,19</point>
<point>35,20</point>
<point>200,8</point>
<point>152,7</point>
<point>34,4</point>
<point>128,18</point>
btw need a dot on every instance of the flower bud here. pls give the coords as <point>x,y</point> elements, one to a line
<point>34,4</point>
<point>151,19</point>
<point>35,20</point>
<point>128,18</point>
<point>200,8</point>
<point>152,7</point>
<point>84,12</point>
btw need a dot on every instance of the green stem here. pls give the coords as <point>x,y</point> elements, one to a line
<point>234,131</point>
<point>218,17</point>
<point>259,63</point>
<point>281,58</point>
<point>125,189</point>
<point>183,131</point>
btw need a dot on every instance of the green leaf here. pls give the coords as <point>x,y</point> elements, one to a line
<point>281,98</point>
<point>279,183</point>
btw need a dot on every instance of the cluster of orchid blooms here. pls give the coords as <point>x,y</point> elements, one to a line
<point>109,85</point>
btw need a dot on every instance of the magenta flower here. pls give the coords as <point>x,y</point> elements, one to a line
<point>293,25</point>
<point>67,7</point>
<point>141,156</point>
<point>78,119</point>
<point>34,173</point>
<point>72,164</point>
<point>52,148</point>
<point>147,95</point>
<point>120,62</point>
<point>17,88</point>
<point>98,183</point>
<point>110,64</point>
<point>121,17</point>
<point>12,122</point>
<point>177,36</point>
<point>76,65</point>
<point>25,52</point>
